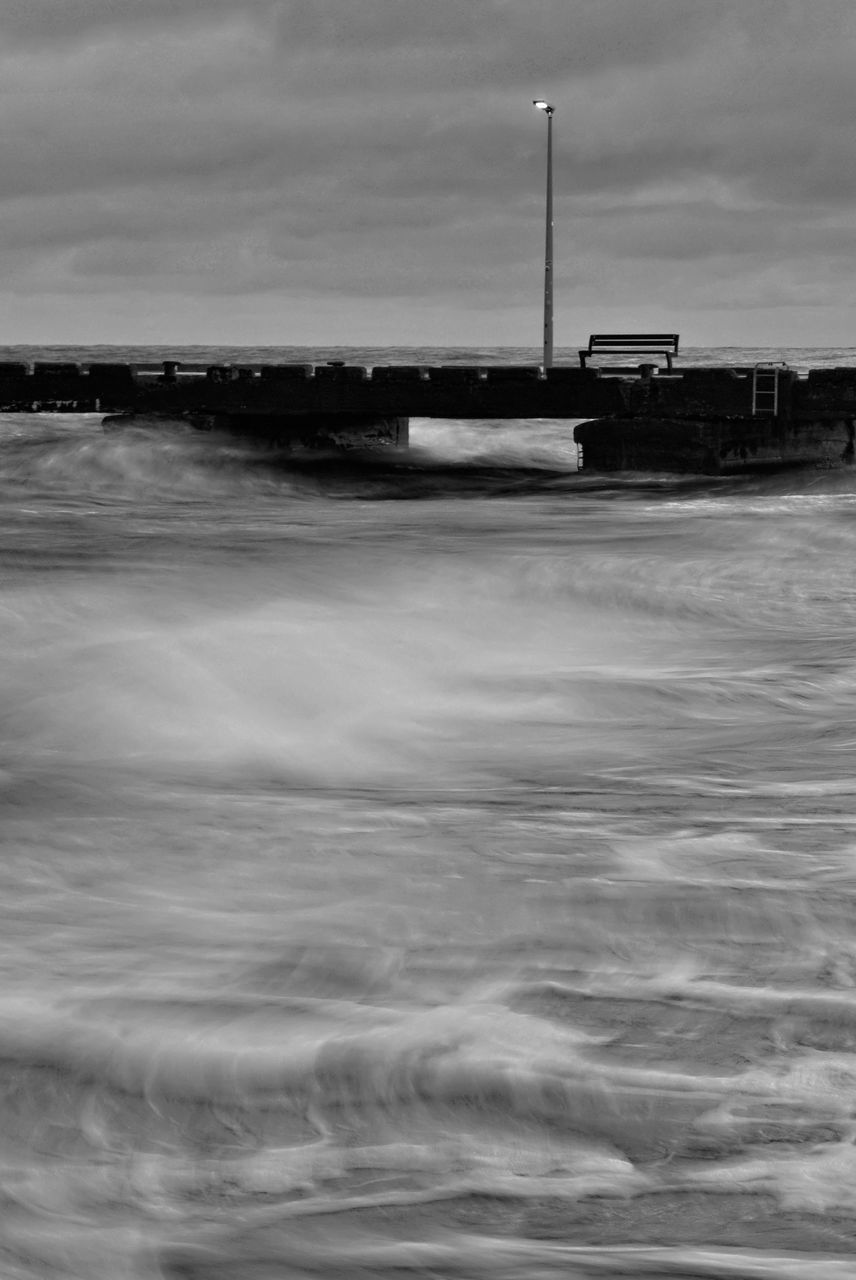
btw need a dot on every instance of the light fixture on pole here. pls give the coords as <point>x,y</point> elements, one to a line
<point>548,247</point>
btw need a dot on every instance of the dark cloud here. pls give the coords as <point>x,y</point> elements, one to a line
<point>41,22</point>
<point>546,36</point>
<point>388,148</point>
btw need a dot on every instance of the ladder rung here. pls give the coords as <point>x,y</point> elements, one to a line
<point>765,391</point>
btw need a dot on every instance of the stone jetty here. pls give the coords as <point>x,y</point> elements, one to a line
<point>640,418</point>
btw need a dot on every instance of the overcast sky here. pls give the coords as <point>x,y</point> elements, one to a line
<point>372,171</point>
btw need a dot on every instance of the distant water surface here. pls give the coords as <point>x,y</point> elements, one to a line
<point>442,865</point>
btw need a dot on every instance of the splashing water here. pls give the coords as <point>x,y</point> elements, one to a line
<point>434,865</point>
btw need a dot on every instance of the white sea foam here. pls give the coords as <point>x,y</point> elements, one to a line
<point>444,863</point>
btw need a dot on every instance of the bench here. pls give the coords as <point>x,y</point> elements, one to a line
<point>631,344</point>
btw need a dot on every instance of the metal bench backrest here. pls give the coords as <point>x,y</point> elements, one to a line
<point>664,344</point>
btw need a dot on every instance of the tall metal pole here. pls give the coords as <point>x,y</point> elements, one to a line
<point>548,245</point>
<point>548,250</point>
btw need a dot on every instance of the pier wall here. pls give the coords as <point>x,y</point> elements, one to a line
<point>448,391</point>
<point>444,391</point>
<point>696,418</point>
<point>707,447</point>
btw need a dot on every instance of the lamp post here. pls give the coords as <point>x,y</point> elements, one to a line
<point>548,246</point>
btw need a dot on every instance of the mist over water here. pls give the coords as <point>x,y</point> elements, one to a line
<point>439,864</point>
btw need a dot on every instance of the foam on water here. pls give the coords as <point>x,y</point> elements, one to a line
<point>437,864</point>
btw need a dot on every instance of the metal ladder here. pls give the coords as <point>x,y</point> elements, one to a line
<point>765,389</point>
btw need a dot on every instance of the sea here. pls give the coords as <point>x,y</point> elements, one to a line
<point>438,865</point>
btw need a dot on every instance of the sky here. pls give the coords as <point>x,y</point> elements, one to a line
<point>372,172</point>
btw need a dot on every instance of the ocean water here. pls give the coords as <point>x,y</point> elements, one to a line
<point>442,865</point>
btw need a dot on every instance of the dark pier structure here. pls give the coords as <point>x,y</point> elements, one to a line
<point>638,418</point>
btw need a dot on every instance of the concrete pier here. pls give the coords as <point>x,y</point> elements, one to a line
<point>299,432</point>
<point>702,419</point>
<point>711,447</point>
<point>391,391</point>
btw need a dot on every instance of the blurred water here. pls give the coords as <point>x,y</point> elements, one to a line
<point>442,865</point>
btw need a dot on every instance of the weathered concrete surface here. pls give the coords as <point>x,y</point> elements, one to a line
<point>446,391</point>
<point>692,419</point>
<point>702,392</point>
<point>298,432</point>
<point>827,391</point>
<point>706,447</point>
<point>315,432</point>
<point>451,391</point>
